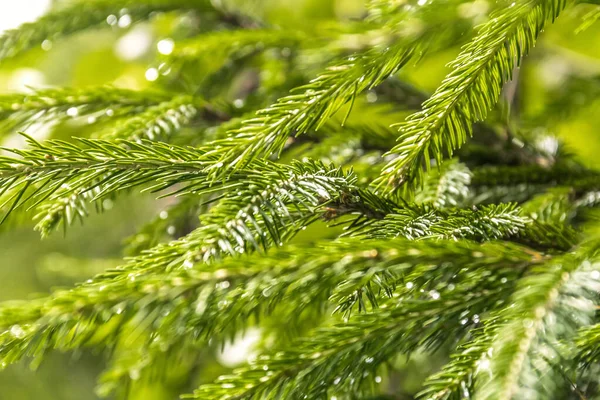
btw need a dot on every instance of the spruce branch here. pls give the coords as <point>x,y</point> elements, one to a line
<point>469,91</point>
<point>58,167</point>
<point>158,122</point>
<point>61,104</point>
<point>82,15</point>
<point>206,303</point>
<point>208,52</point>
<point>339,360</point>
<point>456,380</point>
<point>313,104</point>
<point>549,306</point>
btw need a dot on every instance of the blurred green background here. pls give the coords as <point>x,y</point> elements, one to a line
<point>563,64</point>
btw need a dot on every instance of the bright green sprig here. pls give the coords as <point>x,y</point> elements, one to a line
<point>458,376</point>
<point>549,306</point>
<point>469,91</point>
<point>210,51</point>
<point>158,122</point>
<point>56,167</point>
<point>57,105</point>
<point>307,110</point>
<point>205,304</point>
<point>82,15</point>
<point>340,360</point>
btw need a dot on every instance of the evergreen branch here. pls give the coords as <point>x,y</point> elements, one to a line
<point>457,379</point>
<point>549,306</point>
<point>492,222</point>
<point>208,52</point>
<point>267,208</point>
<point>313,104</point>
<point>446,187</point>
<point>56,105</point>
<point>82,15</point>
<point>340,359</point>
<point>56,168</point>
<point>469,91</point>
<point>158,122</point>
<point>207,303</point>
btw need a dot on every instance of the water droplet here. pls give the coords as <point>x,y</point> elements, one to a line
<point>434,294</point>
<point>151,74</point>
<point>17,331</point>
<point>110,112</point>
<point>238,103</point>
<point>595,274</point>
<point>47,45</point>
<point>73,112</point>
<point>224,284</point>
<point>187,264</point>
<point>91,120</point>
<point>165,46</point>
<point>134,374</point>
<point>163,214</point>
<point>111,20</point>
<point>337,380</point>
<point>378,379</point>
<point>409,285</point>
<point>124,21</point>
<point>171,230</point>
<point>369,360</point>
<point>107,204</point>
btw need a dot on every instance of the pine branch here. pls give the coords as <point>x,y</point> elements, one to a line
<point>446,187</point>
<point>549,306</point>
<point>57,105</point>
<point>469,91</point>
<point>158,122</point>
<point>457,379</point>
<point>315,102</point>
<point>83,15</point>
<point>209,52</point>
<point>492,222</point>
<point>341,359</point>
<point>205,303</point>
<point>58,167</point>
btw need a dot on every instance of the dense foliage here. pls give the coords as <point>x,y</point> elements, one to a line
<point>462,229</point>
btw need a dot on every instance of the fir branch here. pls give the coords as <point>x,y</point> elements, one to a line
<point>340,359</point>
<point>492,222</point>
<point>82,15</point>
<point>469,91</point>
<point>207,303</point>
<point>158,122</point>
<point>210,51</point>
<point>549,306</point>
<point>57,105</point>
<point>446,187</point>
<point>457,379</point>
<point>315,102</point>
<point>60,167</point>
